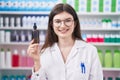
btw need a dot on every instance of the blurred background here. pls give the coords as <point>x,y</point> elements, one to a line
<point>99,22</point>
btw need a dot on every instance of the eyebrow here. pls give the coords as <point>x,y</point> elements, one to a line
<point>64,19</point>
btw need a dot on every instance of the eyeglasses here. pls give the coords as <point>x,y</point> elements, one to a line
<point>58,23</point>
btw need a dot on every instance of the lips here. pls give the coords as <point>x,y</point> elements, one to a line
<point>63,31</point>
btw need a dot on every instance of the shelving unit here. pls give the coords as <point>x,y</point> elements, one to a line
<point>108,72</point>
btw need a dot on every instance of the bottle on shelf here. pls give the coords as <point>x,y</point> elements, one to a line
<point>108,59</point>
<point>100,56</point>
<point>2,58</point>
<point>15,37</point>
<point>15,59</point>
<point>1,22</point>
<point>42,36</point>
<point>22,35</point>
<point>12,22</point>
<point>28,36</point>
<point>6,21</point>
<point>23,59</point>
<point>116,59</point>
<point>7,36</point>
<point>18,22</point>
<point>8,58</point>
<point>30,62</point>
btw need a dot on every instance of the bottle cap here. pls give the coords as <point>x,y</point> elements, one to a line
<point>108,51</point>
<point>23,52</point>
<point>34,26</point>
<point>2,49</point>
<point>8,49</point>
<point>15,51</point>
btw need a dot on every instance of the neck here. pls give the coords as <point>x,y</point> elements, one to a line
<point>66,42</point>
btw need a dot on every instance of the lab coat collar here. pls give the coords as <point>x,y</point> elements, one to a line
<point>78,44</point>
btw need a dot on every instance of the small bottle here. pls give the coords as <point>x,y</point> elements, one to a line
<point>108,59</point>
<point>24,21</point>
<point>15,37</point>
<point>100,38</point>
<point>12,77</point>
<point>100,56</point>
<point>112,38</point>
<point>109,23</point>
<point>1,21</point>
<point>30,62</point>
<point>4,77</point>
<point>8,58</point>
<point>94,38</point>
<point>18,22</point>
<point>35,34</point>
<point>7,36</point>
<point>104,23</point>
<point>116,59</point>
<point>110,78</point>
<point>6,21</point>
<point>23,59</point>
<point>22,35</point>
<point>15,59</point>
<point>2,36</point>
<point>2,58</point>
<point>107,38</point>
<point>12,22</point>
<point>89,37</point>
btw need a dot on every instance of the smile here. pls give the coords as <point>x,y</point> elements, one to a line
<point>63,31</point>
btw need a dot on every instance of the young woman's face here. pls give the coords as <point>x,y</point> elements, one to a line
<point>63,25</point>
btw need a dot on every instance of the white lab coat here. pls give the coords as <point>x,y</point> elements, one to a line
<point>82,64</point>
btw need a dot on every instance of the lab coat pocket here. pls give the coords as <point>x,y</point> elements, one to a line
<point>78,75</point>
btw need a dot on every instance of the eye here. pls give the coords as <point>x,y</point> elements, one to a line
<point>57,21</point>
<point>68,20</point>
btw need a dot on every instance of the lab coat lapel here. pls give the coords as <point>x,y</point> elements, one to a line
<point>75,50</point>
<point>57,54</point>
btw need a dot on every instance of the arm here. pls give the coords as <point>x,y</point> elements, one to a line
<point>39,75</point>
<point>34,52</point>
<point>96,72</point>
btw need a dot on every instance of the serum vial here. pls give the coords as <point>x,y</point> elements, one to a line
<point>35,34</point>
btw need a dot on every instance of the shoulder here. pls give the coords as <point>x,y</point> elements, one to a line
<point>85,45</point>
<point>47,51</point>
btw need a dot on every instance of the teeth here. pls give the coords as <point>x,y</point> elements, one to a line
<point>63,30</point>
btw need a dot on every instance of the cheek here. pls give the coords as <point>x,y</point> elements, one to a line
<point>55,30</point>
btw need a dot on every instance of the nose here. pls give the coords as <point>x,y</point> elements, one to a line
<point>62,24</point>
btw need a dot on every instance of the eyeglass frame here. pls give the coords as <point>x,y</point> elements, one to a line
<point>60,23</point>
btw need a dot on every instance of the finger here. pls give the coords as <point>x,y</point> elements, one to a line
<point>34,45</point>
<point>32,41</point>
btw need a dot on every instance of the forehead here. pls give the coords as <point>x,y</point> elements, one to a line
<point>63,15</point>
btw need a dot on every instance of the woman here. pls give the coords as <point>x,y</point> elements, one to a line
<point>64,56</point>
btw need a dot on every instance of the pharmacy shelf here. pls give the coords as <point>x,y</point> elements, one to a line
<point>15,43</point>
<point>30,68</point>
<point>18,43</point>
<point>48,12</point>
<point>100,29</point>
<point>98,13</point>
<point>111,69</point>
<point>83,29</point>
<point>17,68</point>
<point>27,43</point>
<point>105,44</point>
<point>25,12</point>
<point>16,28</point>
<point>21,28</point>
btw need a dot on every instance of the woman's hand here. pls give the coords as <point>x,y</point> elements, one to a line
<point>34,52</point>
